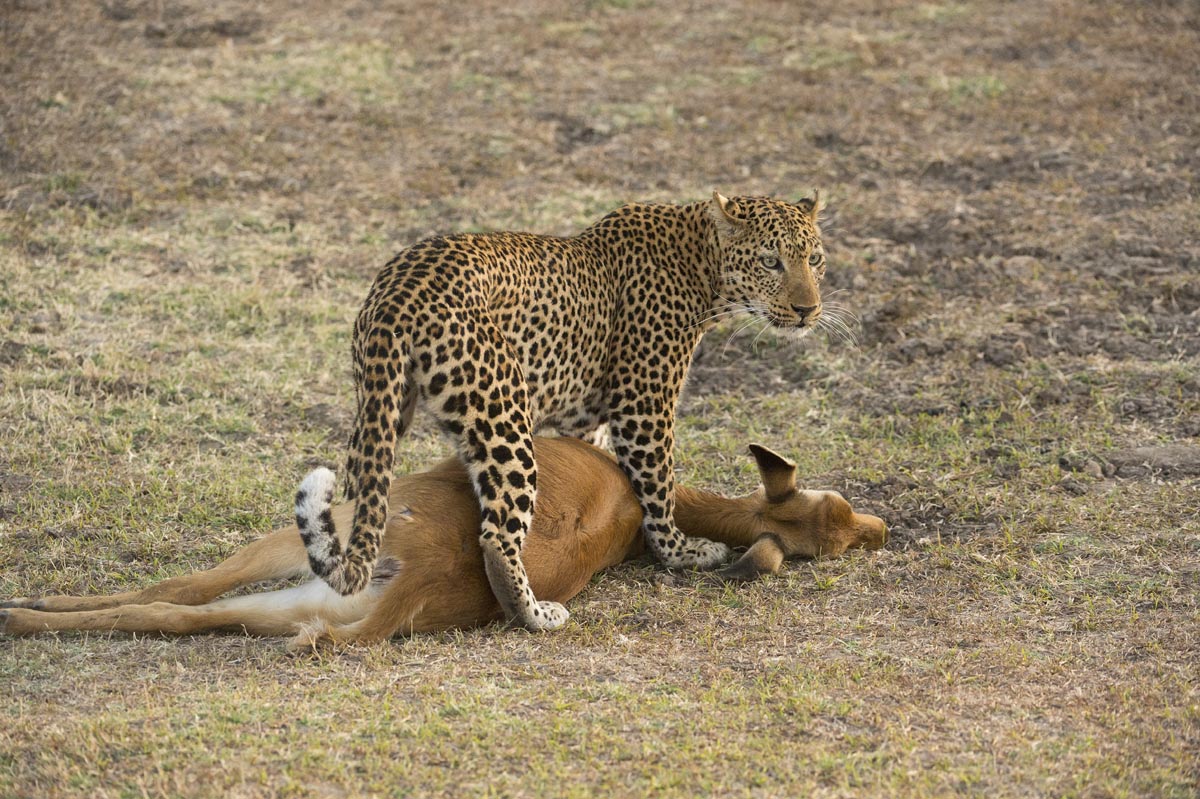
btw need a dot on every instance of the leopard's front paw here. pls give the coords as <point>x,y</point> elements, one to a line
<point>547,616</point>
<point>700,553</point>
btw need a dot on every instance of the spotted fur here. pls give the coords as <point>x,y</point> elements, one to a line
<point>500,334</point>
<point>314,519</point>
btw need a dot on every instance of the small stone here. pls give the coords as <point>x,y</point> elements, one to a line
<point>1072,486</point>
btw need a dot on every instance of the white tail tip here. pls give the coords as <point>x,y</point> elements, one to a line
<point>316,493</point>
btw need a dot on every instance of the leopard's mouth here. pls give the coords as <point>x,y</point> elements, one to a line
<point>793,325</point>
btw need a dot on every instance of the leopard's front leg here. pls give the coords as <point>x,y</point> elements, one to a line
<point>644,441</point>
<point>476,390</point>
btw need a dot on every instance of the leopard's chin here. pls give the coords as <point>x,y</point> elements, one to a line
<point>794,327</point>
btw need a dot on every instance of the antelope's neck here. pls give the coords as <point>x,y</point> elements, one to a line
<point>733,521</point>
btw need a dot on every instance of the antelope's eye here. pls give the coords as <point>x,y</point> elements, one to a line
<point>769,261</point>
<point>814,260</point>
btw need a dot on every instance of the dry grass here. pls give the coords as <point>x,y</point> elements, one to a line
<point>194,197</point>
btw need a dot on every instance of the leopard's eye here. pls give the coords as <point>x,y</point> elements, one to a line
<point>769,261</point>
<point>814,260</point>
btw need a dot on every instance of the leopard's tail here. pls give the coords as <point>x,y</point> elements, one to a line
<point>385,405</point>
<point>314,517</point>
<point>346,569</point>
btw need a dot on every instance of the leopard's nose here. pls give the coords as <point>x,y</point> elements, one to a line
<point>805,311</point>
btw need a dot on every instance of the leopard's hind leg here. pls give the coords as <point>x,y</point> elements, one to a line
<point>476,390</point>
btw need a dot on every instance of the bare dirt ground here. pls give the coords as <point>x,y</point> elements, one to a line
<point>194,198</point>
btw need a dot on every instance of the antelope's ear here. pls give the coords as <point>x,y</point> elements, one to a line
<point>812,208</point>
<point>726,212</point>
<point>777,472</point>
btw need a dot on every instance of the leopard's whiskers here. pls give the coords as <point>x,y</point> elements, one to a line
<point>754,318</point>
<point>840,322</point>
<point>720,312</point>
<point>766,325</point>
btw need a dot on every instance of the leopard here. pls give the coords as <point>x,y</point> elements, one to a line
<point>500,335</point>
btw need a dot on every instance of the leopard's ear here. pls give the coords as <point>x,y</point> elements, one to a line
<point>726,213</point>
<point>812,208</point>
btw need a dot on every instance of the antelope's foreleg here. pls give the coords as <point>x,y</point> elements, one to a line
<point>764,556</point>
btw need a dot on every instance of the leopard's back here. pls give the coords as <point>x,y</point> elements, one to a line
<point>563,304</point>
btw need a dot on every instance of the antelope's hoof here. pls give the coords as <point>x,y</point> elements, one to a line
<point>21,602</point>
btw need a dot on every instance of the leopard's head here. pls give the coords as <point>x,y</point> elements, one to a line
<point>772,260</point>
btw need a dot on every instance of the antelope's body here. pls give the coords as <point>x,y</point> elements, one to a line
<point>430,574</point>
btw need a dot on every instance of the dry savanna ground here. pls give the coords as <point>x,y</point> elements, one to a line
<point>195,196</point>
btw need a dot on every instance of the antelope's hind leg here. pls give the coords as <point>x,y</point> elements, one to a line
<point>272,613</point>
<point>278,555</point>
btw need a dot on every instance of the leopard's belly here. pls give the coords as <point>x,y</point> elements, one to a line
<point>566,366</point>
